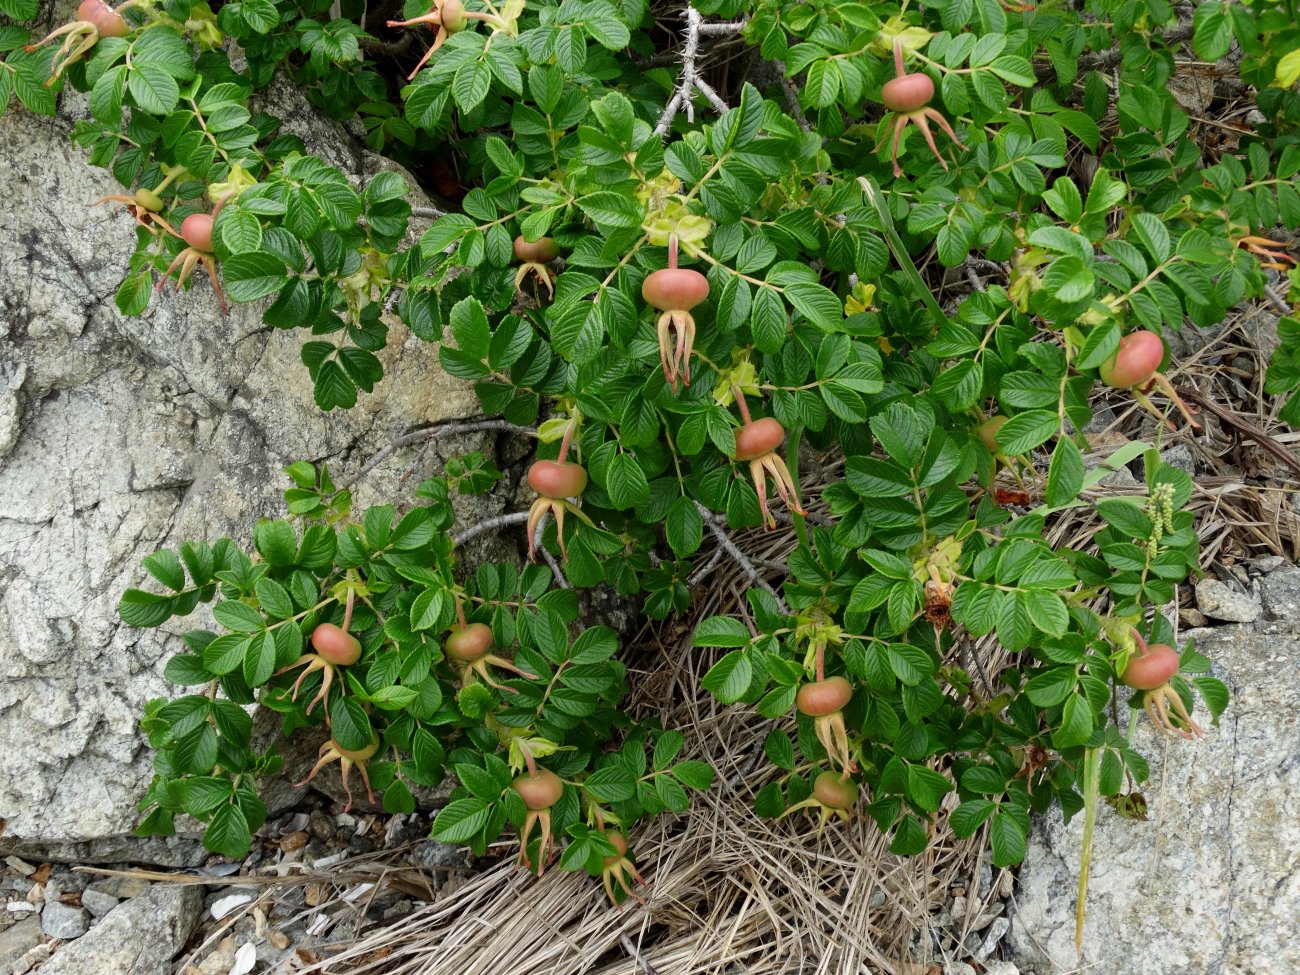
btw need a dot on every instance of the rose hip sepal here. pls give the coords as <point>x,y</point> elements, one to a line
<point>95,20</point>
<point>450,17</point>
<point>674,291</point>
<point>908,97</point>
<point>332,751</point>
<point>557,484</point>
<point>757,442</point>
<point>834,795</point>
<point>620,870</point>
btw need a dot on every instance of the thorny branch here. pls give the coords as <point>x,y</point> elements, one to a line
<point>690,80</point>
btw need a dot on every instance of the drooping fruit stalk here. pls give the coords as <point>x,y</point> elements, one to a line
<point>1135,366</point>
<point>757,442</point>
<point>674,291</point>
<point>908,96</point>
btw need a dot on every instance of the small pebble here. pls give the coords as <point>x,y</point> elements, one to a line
<point>997,931</point>
<point>229,903</point>
<point>97,902</point>
<point>63,921</point>
<point>20,867</point>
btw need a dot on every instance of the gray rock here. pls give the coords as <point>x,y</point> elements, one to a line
<point>139,937</point>
<point>63,921</point>
<point>1000,968</point>
<point>1207,886</point>
<point>97,902</point>
<point>121,436</point>
<point>1219,601</point>
<point>119,888</point>
<point>18,939</point>
<point>1280,594</point>
<point>1180,456</point>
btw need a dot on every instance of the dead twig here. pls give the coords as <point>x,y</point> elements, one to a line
<point>690,80</point>
<point>1242,425</point>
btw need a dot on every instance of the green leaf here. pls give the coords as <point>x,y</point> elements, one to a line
<point>259,660</point>
<point>1076,723</point>
<point>779,749</point>
<point>684,527</point>
<point>153,88</point>
<point>349,724</point>
<point>134,292</point>
<point>1065,474</point>
<point>239,617</point>
<point>145,609</point>
<point>626,483</point>
<point>693,774</point>
<point>729,678</point>
<point>276,541</point>
<point>1152,233</point>
<point>1126,515</point>
<point>1025,431</point>
<point>1050,688</point>
<point>1211,30</point>
<point>720,631</point>
<point>612,211</point>
<point>1009,839</point>
<point>1100,345</point>
<point>254,275</point>
<point>613,783</point>
<point>471,84</point>
<point>817,304</point>
<point>228,832</point>
<point>822,84</point>
<point>1015,69</point>
<point>459,821</point>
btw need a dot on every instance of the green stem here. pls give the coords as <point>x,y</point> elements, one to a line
<point>792,462</point>
<point>903,259</point>
<point>1091,785</point>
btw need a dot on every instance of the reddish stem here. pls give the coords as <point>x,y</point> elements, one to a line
<point>740,401</point>
<point>460,612</point>
<point>821,662</point>
<point>898,57</point>
<point>528,759</point>
<point>672,252</point>
<point>1142,644</point>
<point>568,438</point>
<point>347,611</point>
